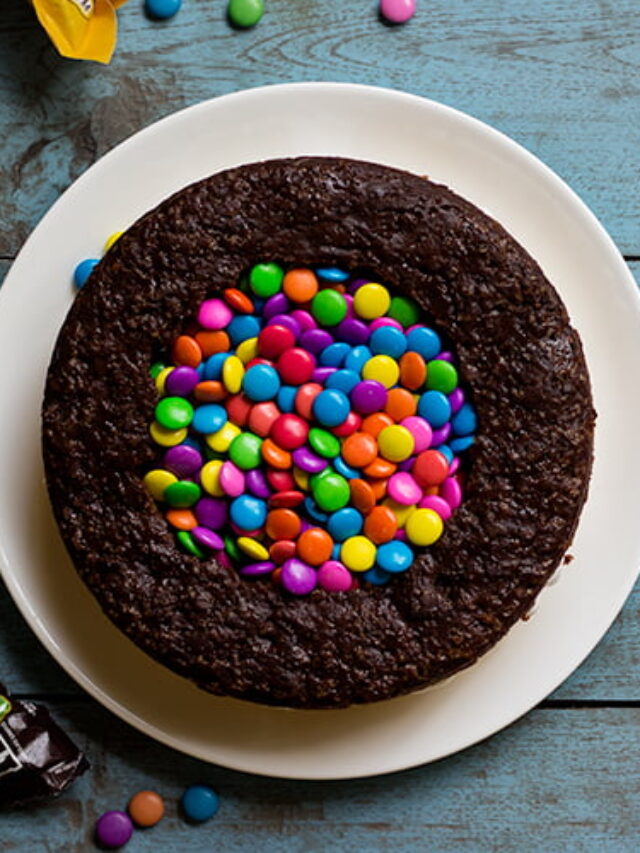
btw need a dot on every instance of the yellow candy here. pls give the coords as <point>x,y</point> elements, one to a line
<point>220,441</point>
<point>161,379</point>
<point>358,553</point>
<point>210,478</point>
<point>383,369</point>
<point>252,549</point>
<point>301,478</point>
<point>401,511</point>
<point>156,482</point>
<point>247,350</point>
<point>167,437</point>
<point>371,301</point>
<point>232,373</point>
<point>111,240</point>
<point>424,527</point>
<point>395,443</point>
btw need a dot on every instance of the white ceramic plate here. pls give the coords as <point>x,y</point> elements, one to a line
<point>540,211</point>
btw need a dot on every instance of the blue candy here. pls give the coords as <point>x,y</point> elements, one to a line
<point>332,274</point>
<point>83,271</point>
<point>357,357</point>
<point>334,355</point>
<point>243,327</point>
<point>213,365</point>
<point>286,398</point>
<point>458,445</point>
<point>344,523</point>
<point>209,418</point>
<point>248,512</point>
<point>464,422</point>
<point>387,340</point>
<point>261,382</point>
<point>376,576</point>
<point>346,470</point>
<point>200,803</point>
<point>446,452</point>
<point>314,510</point>
<point>434,407</point>
<point>424,341</point>
<point>394,556</point>
<point>335,551</point>
<point>344,380</point>
<point>331,407</point>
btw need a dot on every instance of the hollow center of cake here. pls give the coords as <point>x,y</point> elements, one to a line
<point>311,430</point>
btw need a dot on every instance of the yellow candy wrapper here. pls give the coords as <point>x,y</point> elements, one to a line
<point>81,29</point>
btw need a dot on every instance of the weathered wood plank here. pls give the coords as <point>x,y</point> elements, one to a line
<point>562,79</point>
<point>557,780</point>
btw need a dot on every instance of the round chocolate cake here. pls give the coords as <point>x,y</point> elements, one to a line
<point>371,545</point>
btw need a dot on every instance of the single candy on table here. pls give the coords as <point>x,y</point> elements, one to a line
<point>199,803</point>
<point>113,829</point>
<point>162,9</point>
<point>146,808</point>
<point>245,13</point>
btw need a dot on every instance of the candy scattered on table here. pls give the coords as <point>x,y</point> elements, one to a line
<point>200,803</point>
<point>310,427</point>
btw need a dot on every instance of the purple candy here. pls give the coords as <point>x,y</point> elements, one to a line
<point>206,537</point>
<point>439,436</point>
<point>356,284</point>
<point>265,567</point>
<point>454,465</point>
<point>321,374</point>
<point>278,304</point>
<point>113,829</point>
<point>437,504</point>
<point>379,322</point>
<point>315,340</point>
<point>212,512</point>
<point>183,460</point>
<point>456,400</point>
<point>224,559</point>
<point>287,321</point>
<point>257,483</point>
<point>368,396</point>
<point>182,380</point>
<point>452,493</point>
<point>406,464</point>
<point>352,331</point>
<point>305,459</point>
<point>306,525</point>
<point>445,356</point>
<point>304,319</point>
<point>298,577</point>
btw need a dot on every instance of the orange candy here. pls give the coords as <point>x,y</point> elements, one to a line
<point>413,370</point>
<point>182,519</point>
<point>212,342</point>
<point>362,496</point>
<point>186,350</point>
<point>238,300</point>
<point>146,808</point>
<point>210,391</point>
<point>283,524</point>
<point>315,546</point>
<point>275,456</point>
<point>359,449</point>
<point>380,525</point>
<point>400,404</point>
<point>374,424</point>
<point>380,468</point>
<point>379,488</point>
<point>300,285</point>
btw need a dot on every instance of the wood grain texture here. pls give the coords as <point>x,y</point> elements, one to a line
<point>562,79</point>
<point>555,781</point>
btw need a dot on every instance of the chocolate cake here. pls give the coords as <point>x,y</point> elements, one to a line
<point>526,475</point>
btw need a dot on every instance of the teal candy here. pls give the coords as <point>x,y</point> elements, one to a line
<point>344,523</point>
<point>394,556</point>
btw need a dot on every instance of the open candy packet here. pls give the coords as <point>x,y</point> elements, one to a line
<point>80,29</point>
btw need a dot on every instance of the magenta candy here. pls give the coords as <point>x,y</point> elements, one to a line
<point>214,314</point>
<point>397,11</point>
<point>437,504</point>
<point>264,567</point>
<point>401,534</point>
<point>257,484</point>
<point>352,331</point>
<point>239,531</point>
<point>445,356</point>
<point>183,460</point>
<point>224,559</point>
<point>288,322</point>
<point>456,400</point>
<point>368,396</point>
<point>113,829</point>
<point>181,381</point>
<point>208,538</point>
<point>384,321</point>
<point>305,459</point>
<point>212,513</point>
<point>278,304</point>
<point>439,436</point>
<point>420,430</point>
<point>451,491</point>
<point>297,577</point>
<point>348,298</point>
<point>455,465</point>
<point>304,319</point>
<point>315,340</point>
<point>231,479</point>
<point>403,488</point>
<point>334,576</point>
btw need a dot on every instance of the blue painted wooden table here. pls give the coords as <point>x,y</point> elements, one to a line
<point>560,78</point>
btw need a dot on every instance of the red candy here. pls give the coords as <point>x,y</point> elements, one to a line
<point>262,417</point>
<point>282,550</point>
<point>289,431</point>
<point>296,366</point>
<point>274,340</point>
<point>351,425</point>
<point>286,499</point>
<point>281,481</point>
<point>430,468</point>
<point>305,397</point>
<point>238,409</point>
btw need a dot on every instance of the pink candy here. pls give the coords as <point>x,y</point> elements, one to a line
<point>334,576</point>
<point>214,314</point>
<point>420,430</point>
<point>397,11</point>
<point>231,479</point>
<point>437,504</point>
<point>452,493</point>
<point>404,489</point>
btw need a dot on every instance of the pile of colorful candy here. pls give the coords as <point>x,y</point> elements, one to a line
<point>311,428</point>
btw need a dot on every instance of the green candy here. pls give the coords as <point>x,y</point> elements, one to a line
<point>404,310</point>
<point>232,549</point>
<point>330,490</point>
<point>187,543</point>
<point>182,494</point>
<point>266,279</point>
<point>245,13</point>
<point>329,307</point>
<point>5,707</point>
<point>324,443</point>
<point>156,368</point>
<point>174,413</point>
<point>245,451</point>
<point>441,376</point>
